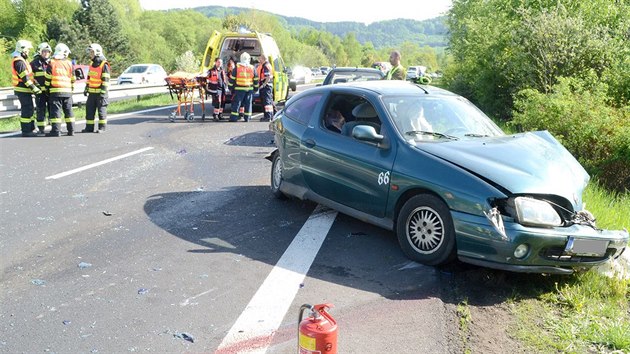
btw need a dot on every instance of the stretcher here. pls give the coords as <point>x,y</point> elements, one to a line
<point>189,89</point>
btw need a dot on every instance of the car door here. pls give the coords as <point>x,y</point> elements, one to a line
<point>344,169</point>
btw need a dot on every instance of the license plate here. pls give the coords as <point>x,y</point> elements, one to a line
<point>586,247</point>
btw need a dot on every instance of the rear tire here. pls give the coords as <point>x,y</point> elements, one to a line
<point>425,231</point>
<point>276,176</point>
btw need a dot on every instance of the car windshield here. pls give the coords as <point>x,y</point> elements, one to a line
<point>351,76</point>
<point>136,69</point>
<point>421,118</point>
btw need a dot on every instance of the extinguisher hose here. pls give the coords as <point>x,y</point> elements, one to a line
<point>302,308</point>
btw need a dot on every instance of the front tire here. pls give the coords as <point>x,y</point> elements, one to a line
<point>425,231</point>
<point>276,176</point>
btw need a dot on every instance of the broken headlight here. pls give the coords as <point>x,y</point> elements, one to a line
<point>534,212</point>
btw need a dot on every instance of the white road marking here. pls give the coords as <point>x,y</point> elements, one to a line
<point>110,117</point>
<point>253,330</point>
<point>87,167</point>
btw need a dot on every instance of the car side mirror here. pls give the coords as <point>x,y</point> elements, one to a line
<point>367,133</point>
<point>78,74</point>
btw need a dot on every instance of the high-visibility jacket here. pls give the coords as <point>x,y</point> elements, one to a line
<point>22,75</point>
<point>98,77</point>
<point>216,79</point>
<point>60,78</point>
<point>244,77</point>
<point>264,74</point>
<point>396,73</point>
<point>39,66</point>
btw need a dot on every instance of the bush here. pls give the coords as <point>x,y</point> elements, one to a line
<point>578,114</point>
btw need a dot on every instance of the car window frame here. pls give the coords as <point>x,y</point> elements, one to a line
<point>298,99</point>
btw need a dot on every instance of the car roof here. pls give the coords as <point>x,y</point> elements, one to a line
<point>354,69</point>
<point>391,88</point>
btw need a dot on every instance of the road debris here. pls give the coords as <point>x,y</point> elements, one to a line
<point>107,213</point>
<point>142,291</point>
<point>184,336</point>
<point>84,265</point>
<point>66,322</point>
<point>38,282</point>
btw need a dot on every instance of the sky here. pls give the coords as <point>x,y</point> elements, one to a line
<point>366,11</point>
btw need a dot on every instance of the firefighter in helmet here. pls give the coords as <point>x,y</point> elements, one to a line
<point>23,86</point>
<point>39,65</point>
<point>96,89</point>
<point>265,79</point>
<point>244,82</point>
<point>60,84</point>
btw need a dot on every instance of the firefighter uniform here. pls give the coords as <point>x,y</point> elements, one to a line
<point>39,65</point>
<point>265,77</point>
<point>97,89</point>
<point>244,83</point>
<point>24,86</point>
<point>216,87</point>
<point>60,84</point>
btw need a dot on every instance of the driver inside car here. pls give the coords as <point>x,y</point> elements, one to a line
<point>334,120</point>
<point>410,117</point>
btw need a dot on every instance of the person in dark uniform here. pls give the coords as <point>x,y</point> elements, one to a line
<point>96,88</point>
<point>39,65</point>
<point>59,85</point>
<point>23,86</point>
<point>216,87</point>
<point>265,79</point>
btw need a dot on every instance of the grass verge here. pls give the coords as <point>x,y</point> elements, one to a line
<point>586,312</point>
<point>129,105</point>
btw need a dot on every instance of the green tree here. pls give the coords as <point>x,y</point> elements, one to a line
<point>99,19</point>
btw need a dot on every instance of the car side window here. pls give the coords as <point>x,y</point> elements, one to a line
<point>302,109</point>
<point>344,112</point>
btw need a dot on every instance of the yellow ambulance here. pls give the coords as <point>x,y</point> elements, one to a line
<point>233,44</point>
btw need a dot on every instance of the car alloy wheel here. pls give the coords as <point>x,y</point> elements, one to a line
<point>425,230</point>
<point>276,176</point>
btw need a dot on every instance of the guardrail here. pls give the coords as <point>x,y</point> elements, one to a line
<point>10,103</point>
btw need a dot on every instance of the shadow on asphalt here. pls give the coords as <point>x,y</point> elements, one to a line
<point>248,221</point>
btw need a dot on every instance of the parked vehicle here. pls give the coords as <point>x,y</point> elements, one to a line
<point>430,166</point>
<point>233,44</point>
<point>302,75</point>
<point>341,75</point>
<point>143,74</point>
<point>414,72</point>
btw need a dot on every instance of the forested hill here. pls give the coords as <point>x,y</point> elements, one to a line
<point>431,32</point>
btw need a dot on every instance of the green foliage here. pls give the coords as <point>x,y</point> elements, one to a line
<point>578,114</point>
<point>187,62</point>
<point>503,47</point>
<point>5,61</point>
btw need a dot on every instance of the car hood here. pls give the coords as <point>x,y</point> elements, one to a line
<point>533,162</point>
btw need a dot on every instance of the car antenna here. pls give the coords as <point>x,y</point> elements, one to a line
<point>422,88</point>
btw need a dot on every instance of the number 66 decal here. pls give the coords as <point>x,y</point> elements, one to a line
<point>383,178</point>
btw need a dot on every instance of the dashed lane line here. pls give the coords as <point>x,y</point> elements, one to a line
<point>87,167</point>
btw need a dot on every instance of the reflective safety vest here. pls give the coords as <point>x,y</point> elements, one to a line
<point>261,73</point>
<point>61,77</point>
<point>214,79</point>
<point>95,81</point>
<point>391,72</point>
<point>244,77</point>
<point>21,82</point>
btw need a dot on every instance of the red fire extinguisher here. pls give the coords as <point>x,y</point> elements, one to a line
<point>317,334</point>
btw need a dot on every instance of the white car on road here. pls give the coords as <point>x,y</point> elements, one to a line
<point>143,74</point>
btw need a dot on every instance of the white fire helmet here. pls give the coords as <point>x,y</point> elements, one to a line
<point>245,58</point>
<point>96,48</point>
<point>61,51</point>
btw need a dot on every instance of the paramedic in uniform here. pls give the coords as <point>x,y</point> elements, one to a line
<point>244,83</point>
<point>59,84</point>
<point>265,78</point>
<point>216,87</point>
<point>96,88</point>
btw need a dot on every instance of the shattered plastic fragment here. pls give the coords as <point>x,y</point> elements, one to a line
<point>181,152</point>
<point>142,291</point>
<point>84,265</point>
<point>38,282</point>
<point>66,322</point>
<point>107,213</point>
<point>185,336</point>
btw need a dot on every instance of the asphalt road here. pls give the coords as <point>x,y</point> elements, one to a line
<point>159,236</point>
